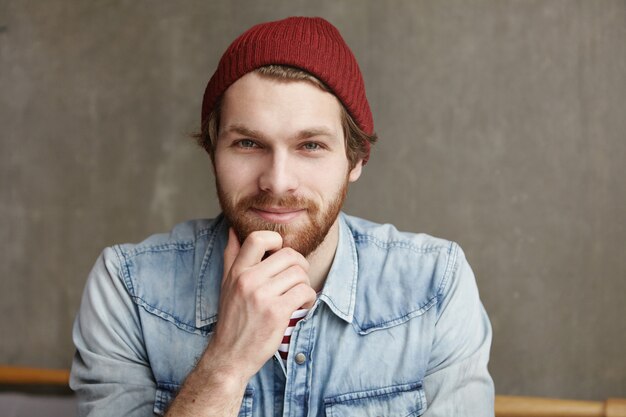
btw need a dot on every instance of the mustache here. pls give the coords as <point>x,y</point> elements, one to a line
<point>265,200</point>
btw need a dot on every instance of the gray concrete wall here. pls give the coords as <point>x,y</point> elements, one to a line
<point>502,125</point>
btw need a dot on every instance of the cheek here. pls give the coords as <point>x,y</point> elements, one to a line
<point>225,175</point>
<point>235,179</point>
<point>329,181</point>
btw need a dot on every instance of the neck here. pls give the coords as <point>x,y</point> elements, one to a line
<point>321,259</point>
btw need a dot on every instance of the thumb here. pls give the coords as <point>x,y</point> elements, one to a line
<point>231,251</point>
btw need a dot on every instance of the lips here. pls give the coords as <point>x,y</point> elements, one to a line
<point>278,214</point>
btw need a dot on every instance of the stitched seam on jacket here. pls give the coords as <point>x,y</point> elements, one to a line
<point>451,267</point>
<point>167,316</point>
<point>125,269</point>
<point>186,244</point>
<point>397,244</point>
<point>373,393</point>
<point>399,320</point>
<point>202,274</point>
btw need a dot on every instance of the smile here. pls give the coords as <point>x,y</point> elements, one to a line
<point>278,214</point>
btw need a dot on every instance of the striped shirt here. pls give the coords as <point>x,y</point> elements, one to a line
<point>296,316</point>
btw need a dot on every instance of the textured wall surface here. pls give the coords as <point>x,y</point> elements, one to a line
<point>502,126</point>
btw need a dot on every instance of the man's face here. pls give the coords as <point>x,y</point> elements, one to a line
<point>280,160</point>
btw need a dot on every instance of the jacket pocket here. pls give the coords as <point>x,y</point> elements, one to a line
<point>165,394</point>
<point>407,400</point>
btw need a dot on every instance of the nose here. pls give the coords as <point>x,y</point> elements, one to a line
<point>280,174</point>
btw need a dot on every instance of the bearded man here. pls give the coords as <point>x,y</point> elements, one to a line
<point>283,305</point>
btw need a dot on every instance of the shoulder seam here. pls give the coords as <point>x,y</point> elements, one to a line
<point>124,269</point>
<point>187,244</point>
<point>451,266</point>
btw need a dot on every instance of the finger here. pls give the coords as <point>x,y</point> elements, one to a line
<point>255,246</point>
<point>281,260</point>
<point>230,252</point>
<point>300,296</point>
<point>286,280</point>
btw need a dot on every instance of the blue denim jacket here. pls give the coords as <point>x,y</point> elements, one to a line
<point>398,329</point>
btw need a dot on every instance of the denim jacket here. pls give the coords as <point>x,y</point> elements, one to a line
<point>398,329</point>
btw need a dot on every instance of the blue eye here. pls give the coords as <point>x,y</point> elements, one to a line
<point>246,143</point>
<point>311,146</point>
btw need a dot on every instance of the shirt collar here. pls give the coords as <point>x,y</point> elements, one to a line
<point>339,291</point>
<point>210,275</point>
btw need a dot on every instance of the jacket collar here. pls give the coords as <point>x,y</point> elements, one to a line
<point>339,291</point>
<point>210,275</point>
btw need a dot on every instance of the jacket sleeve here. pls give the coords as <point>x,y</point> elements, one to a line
<point>110,371</point>
<point>457,382</point>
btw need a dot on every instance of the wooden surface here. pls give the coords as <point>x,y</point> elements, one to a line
<point>509,406</point>
<point>13,375</point>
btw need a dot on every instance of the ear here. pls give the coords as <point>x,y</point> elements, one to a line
<point>355,172</point>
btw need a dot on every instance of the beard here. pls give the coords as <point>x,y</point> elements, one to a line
<point>304,235</point>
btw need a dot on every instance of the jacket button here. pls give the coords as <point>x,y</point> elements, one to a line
<point>300,358</point>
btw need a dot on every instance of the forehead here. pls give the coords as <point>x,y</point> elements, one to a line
<point>278,106</point>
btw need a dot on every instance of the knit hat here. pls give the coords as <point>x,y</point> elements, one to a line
<point>309,43</point>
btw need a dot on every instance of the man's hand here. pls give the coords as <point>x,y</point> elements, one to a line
<point>257,299</point>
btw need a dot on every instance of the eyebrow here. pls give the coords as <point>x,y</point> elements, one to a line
<point>303,134</point>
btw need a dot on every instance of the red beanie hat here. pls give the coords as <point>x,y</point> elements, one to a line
<point>308,43</point>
